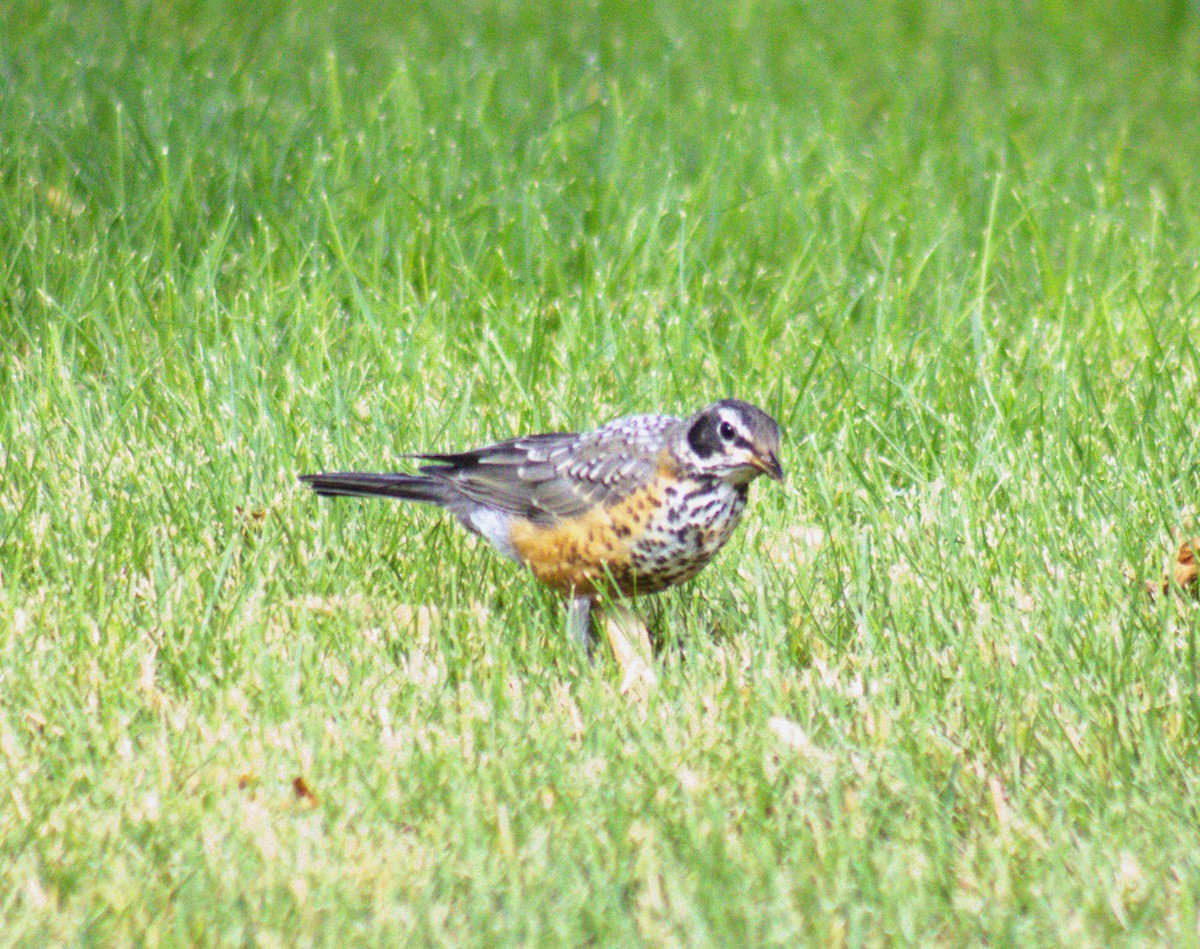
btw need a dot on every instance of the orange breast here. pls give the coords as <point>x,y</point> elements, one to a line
<point>591,552</point>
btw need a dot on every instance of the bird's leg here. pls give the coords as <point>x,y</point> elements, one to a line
<point>579,622</point>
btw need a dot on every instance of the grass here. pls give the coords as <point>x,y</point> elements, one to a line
<point>921,698</point>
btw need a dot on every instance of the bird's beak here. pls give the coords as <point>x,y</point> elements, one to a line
<point>769,465</point>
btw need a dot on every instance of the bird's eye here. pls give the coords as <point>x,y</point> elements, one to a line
<point>726,431</point>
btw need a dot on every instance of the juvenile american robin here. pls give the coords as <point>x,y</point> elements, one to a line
<point>633,507</point>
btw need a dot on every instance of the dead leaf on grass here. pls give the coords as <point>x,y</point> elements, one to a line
<point>1184,571</point>
<point>630,643</point>
<point>250,520</point>
<point>304,793</point>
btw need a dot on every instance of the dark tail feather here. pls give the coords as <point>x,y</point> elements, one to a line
<point>354,484</point>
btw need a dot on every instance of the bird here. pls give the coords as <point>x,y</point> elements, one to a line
<point>638,505</point>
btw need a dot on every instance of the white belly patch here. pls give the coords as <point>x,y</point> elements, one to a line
<point>494,527</point>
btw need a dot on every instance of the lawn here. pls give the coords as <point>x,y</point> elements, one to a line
<point>923,697</point>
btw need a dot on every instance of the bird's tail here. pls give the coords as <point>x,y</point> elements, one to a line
<point>356,484</point>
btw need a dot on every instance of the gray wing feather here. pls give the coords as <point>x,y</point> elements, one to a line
<point>557,476</point>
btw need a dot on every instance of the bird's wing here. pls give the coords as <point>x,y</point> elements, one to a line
<point>557,476</point>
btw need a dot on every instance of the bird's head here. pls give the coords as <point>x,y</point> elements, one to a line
<point>732,440</point>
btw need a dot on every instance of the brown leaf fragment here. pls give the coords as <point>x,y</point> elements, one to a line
<point>250,521</point>
<point>1184,570</point>
<point>304,793</point>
